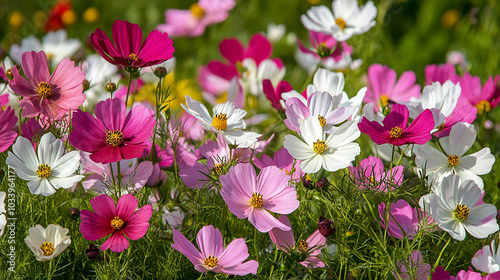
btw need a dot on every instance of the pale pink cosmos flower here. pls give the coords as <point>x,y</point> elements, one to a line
<point>8,121</point>
<point>421,270</point>
<point>370,174</point>
<point>311,247</point>
<point>441,73</point>
<point>382,86</point>
<point>403,219</point>
<point>119,221</point>
<point>212,256</point>
<point>284,161</point>
<point>250,196</point>
<point>441,274</point>
<point>50,95</point>
<point>192,22</point>
<point>115,134</point>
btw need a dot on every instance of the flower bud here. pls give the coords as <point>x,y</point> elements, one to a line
<point>307,183</point>
<point>326,227</point>
<point>160,72</point>
<point>324,51</point>
<point>110,87</point>
<point>9,74</point>
<point>92,252</point>
<point>74,212</point>
<point>323,183</point>
<point>85,84</point>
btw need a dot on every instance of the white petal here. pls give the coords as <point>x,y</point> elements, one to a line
<point>297,148</point>
<point>462,137</point>
<point>312,164</point>
<point>66,165</point>
<point>23,149</point>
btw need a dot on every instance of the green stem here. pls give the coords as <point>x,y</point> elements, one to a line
<point>119,175</point>
<point>128,88</point>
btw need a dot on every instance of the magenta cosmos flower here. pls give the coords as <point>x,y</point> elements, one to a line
<point>311,247</point>
<point>403,219</point>
<point>114,135</point>
<point>250,196</point>
<point>8,121</point>
<point>484,98</point>
<point>120,221</point>
<point>370,174</point>
<point>128,49</point>
<point>212,255</point>
<point>382,86</point>
<point>50,95</point>
<point>395,130</point>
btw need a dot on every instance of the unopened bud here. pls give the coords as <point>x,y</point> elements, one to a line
<point>307,183</point>
<point>160,71</point>
<point>74,212</point>
<point>9,74</point>
<point>324,51</point>
<point>323,183</point>
<point>110,87</point>
<point>326,227</point>
<point>85,84</point>
<point>93,253</point>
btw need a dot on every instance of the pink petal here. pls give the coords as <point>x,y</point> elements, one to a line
<point>232,50</point>
<point>35,67</point>
<point>116,243</point>
<point>126,206</point>
<point>127,37</point>
<point>138,125</point>
<point>397,117</point>
<point>259,48</point>
<point>104,206</point>
<point>93,226</point>
<point>284,202</point>
<point>419,131</point>
<point>264,221</point>
<point>182,244</point>
<point>234,254</point>
<point>112,113</point>
<point>107,155</point>
<point>284,240</point>
<point>88,134</point>
<point>209,240</point>
<point>243,269</point>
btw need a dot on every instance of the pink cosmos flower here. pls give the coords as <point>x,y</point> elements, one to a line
<point>274,94</point>
<point>120,221</point>
<point>370,175</point>
<point>441,73</point>
<point>250,196</point>
<point>192,22</point>
<point>483,98</point>
<point>128,49</point>
<point>325,47</point>
<point>284,161</point>
<point>32,130</point>
<point>441,274</point>
<point>395,130</point>
<point>50,95</point>
<point>312,246</point>
<point>421,270</point>
<point>403,219</point>
<point>212,255</point>
<point>114,135</point>
<point>465,114</point>
<point>382,86</point>
<point>8,121</point>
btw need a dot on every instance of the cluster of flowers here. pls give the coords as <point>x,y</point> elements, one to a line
<point>116,150</point>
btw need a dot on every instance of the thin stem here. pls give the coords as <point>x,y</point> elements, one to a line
<point>119,175</point>
<point>128,88</point>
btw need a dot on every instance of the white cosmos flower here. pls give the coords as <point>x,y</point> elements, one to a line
<point>438,165</point>
<point>440,99</point>
<point>487,259</point>
<point>47,171</point>
<point>333,153</point>
<point>454,207</point>
<point>3,218</point>
<point>254,75</point>
<point>55,45</point>
<point>48,243</point>
<point>98,72</point>
<point>226,120</point>
<point>347,19</point>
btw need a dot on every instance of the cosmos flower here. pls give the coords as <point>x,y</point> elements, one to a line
<point>250,196</point>
<point>119,221</point>
<point>3,218</point>
<point>403,219</point>
<point>8,121</point>
<point>48,243</point>
<point>311,247</point>
<point>370,174</point>
<point>128,49</point>
<point>487,259</point>
<point>347,19</point>
<point>115,134</point>
<point>417,268</point>
<point>284,161</point>
<point>483,98</point>
<point>48,171</point>
<point>212,256</point>
<point>50,95</point>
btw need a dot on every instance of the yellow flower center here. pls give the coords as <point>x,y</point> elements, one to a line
<point>319,146</point>
<point>211,261</point>
<point>461,212</point>
<point>256,200</point>
<point>197,11</point>
<point>117,223</point>
<point>384,100</point>
<point>44,90</point>
<point>218,169</point>
<point>340,22</point>
<point>43,171</point>
<point>47,248</point>
<point>322,121</point>
<point>303,245</point>
<point>453,160</point>
<point>133,56</point>
<point>483,106</point>
<point>114,138</point>
<point>220,121</point>
<point>396,132</point>
<point>372,180</point>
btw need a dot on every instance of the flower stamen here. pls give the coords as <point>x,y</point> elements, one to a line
<point>396,132</point>
<point>384,100</point>
<point>114,138</point>
<point>133,56</point>
<point>256,200</point>
<point>43,170</point>
<point>218,169</point>
<point>117,223</point>
<point>197,11</point>
<point>303,245</point>
<point>461,212</point>
<point>47,248</point>
<point>319,146</point>
<point>482,107</point>
<point>453,160</point>
<point>220,121</point>
<point>44,90</point>
<point>341,23</point>
<point>211,261</point>
<point>322,121</point>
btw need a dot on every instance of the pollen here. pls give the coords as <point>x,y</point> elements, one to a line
<point>341,23</point>
<point>256,200</point>
<point>461,212</point>
<point>44,90</point>
<point>114,138</point>
<point>396,132</point>
<point>322,121</point>
<point>197,11</point>
<point>217,169</point>
<point>47,248</point>
<point>43,171</point>
<point>483,106</point>
<point>117,223</point>
<point>384,100</point>
<point>133,56</point>
<point>211,261</point>
<point>319,146</point>
<point>220,121</point>
<point>303,245</point>
<point>453,160</point>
